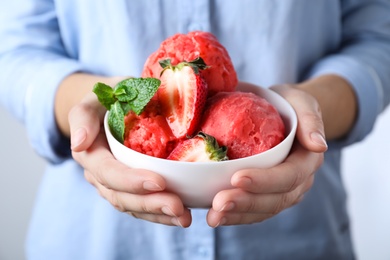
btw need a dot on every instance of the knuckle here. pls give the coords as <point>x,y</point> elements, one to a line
<point>144,207</point>
<point>251,205</point>
<point>133,214</point>
<point>308,184</point>
<point>81,108</point>
<point>297,179</point>
<point>115,201</point>
<point>101,174</point>
<point>281,203</point>
<point>312,118</point>
<point>298,199</point>
<point>100,178</point>
<point>88,177</point>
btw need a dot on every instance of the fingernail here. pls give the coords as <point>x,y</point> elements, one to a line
<point>176,222</point>
<point>167,211</point>
<point>78,137</point>
<point>151,186</point>
<point>221,222</point>
<point>228,206</point>
<point>245,181</point>
<point>318,139</point>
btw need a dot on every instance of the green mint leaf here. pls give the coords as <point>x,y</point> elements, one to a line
<point>119,92</point>
<point>130,94</point>
<point>137,92</point>
<point>125,107</point>
<point>104,94</point>
<point>116,121</point>
<point>123,93</point>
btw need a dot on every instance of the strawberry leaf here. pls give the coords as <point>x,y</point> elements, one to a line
<point>197,64</point>
<point>165,63</point>
<point>216,152</point>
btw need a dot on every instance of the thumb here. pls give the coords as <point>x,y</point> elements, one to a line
<point>310,130</point>
<point>85,120</point>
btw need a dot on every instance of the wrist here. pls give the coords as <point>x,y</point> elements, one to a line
<point>337,102</point>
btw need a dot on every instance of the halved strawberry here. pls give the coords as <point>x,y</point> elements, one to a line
<point>200,148</point>
<point>182,95</point>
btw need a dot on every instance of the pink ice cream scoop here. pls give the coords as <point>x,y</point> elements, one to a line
<point>220,76</point>
<point>148,134</point>
<point>244,122</point>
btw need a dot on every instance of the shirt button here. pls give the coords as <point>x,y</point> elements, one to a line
<point>195,27</point>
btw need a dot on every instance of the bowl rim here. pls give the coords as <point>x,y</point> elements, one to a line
<point>247,88</point>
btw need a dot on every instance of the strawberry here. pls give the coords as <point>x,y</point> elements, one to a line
<point>182,95</point>
<point>200,148</point>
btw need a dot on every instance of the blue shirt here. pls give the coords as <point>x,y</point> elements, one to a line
<point>270,42</point>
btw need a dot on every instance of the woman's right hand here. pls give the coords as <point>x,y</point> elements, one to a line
<point>138,192</point>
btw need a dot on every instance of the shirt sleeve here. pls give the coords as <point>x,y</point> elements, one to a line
<point>34,62</point>
<point>363,60</point>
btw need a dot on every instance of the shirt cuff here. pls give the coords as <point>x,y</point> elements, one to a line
<point>43,131</point>
<point>368,91</point>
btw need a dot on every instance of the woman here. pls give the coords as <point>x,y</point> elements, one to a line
<point>329,59</point>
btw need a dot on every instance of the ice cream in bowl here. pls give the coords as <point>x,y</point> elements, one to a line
<point>197,183</point>
<point>188,119</point>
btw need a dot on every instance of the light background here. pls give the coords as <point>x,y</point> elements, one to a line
<point>367,178</point>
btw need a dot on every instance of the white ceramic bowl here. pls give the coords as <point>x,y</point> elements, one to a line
<point>198,182</point>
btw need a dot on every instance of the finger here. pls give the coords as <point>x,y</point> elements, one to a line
<point>149,203</point>
<point>113,174</point>
<point>182,221</point>
<point>85,121</point>
<point>238,200</point>
<point>162,207</point>
<point>232,207</point>
<point>154,203</point>
<point>216,219</point>
<point>310,130</point>
<point>285,177</point>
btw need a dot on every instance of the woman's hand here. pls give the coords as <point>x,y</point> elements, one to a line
<point>137,192</point>
<point>262,193</point>
<point>140,193</point>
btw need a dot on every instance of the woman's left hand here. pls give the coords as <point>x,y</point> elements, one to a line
<point>259,194</point>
